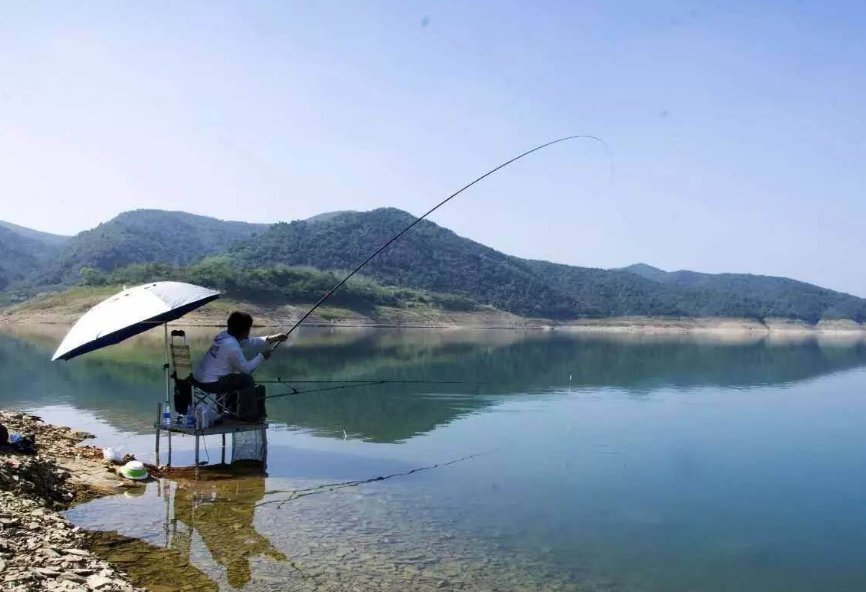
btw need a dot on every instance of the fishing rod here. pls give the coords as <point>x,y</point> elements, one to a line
<point>376,380</point>
<point>427,213</point>
<point>347,384</point>
<point>340,387</point>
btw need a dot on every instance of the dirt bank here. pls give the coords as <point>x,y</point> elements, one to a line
<point>285,316</point>
<point>39,547</point>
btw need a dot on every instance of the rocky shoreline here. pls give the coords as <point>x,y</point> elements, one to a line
<point>39,548</point>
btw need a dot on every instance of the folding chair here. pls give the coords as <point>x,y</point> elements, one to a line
<point>186,389</point>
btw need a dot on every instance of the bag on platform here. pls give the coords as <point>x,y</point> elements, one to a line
<point>206,414</point>
<point>251,404</point>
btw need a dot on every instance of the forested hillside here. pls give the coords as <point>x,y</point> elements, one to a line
<point>144,236</point>
<point>22,251</point>
<point>433,258</point>
<point>430,265</point>
<point>277,285</point>
<point>763,296</point>
<point>46,238</point>
<point>428,258</point>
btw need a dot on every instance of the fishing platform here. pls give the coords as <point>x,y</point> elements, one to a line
<point>143,308</point>
<point>248,438</point>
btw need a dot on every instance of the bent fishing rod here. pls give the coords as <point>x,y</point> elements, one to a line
<point>427,213</point>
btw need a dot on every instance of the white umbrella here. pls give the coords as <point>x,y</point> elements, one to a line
<point>129,313</point>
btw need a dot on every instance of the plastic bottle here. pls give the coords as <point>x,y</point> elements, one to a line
<point>166,415</point>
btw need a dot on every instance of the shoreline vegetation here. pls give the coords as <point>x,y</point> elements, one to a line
<point>66,307</point>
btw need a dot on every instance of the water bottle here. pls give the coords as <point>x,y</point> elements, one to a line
<point>166,415</point>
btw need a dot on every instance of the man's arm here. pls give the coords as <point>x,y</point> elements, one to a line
<point>260,344</point>
<point>240,363</point>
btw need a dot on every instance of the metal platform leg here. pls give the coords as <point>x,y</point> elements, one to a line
<point>265,451</point>
<point>223,456</point>
<point>196,452</point>
<point>169,448</point>
<point>158,417</point>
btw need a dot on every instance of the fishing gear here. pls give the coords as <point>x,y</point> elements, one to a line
<point>376,380</point>
<point>340,387</point>
<point>294,494</point>
<point>430,211</point>
<point>346,384</point>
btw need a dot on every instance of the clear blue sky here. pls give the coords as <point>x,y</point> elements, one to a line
<point>737,129</point>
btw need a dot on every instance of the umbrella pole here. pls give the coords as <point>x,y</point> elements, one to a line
<point>166,366</point>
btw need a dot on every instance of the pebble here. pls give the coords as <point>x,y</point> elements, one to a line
<point>40,549</point>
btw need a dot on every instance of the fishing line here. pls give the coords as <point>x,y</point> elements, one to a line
<point>295,391</point>
<point>430,211</point>
<point>327,487</point>
<point>347,384</point>
<point>376,380</point>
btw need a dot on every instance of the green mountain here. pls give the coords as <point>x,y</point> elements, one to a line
<point>433,258</point>
<point>763,296</point>
<point>429,265</point>
<point>23,250</point>
<point>45,238</point>
<point>428,257</point>
<point>143,236</point>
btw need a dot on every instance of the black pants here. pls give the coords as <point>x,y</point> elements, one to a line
<point>229,383</point>
<point>241,396</point>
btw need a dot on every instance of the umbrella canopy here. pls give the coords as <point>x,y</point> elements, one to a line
<point>129,313</point>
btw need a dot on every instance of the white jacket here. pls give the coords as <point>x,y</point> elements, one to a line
<point>227,356</point>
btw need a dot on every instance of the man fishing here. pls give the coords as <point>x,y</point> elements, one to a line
<point>225,367</point>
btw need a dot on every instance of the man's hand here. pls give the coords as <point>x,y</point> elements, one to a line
<point>267,353</point>
<point>276,338</point>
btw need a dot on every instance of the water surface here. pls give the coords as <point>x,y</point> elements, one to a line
<point>589,463</point>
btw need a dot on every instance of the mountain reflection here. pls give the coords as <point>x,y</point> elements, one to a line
<point>122,385</point>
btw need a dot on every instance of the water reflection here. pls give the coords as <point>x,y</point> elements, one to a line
<point>671,464</point>
<point>122,384</point>
<point>220,510</point>
<point>216,534</point>
<point>215,509</point>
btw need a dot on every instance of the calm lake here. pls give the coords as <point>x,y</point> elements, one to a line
<point>599,463</point>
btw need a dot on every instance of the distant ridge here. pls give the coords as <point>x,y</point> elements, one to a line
<point>43,237</point>
<point>255,261</point>
<point>647,271</point>
<point>144,236</point>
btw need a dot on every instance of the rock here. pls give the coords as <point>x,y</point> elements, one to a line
<point>39,549</point>
<point>76,578</point>
<point>95,582</point>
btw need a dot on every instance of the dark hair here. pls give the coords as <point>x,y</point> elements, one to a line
<point>239,323</point>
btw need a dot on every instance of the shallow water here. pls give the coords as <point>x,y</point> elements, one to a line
<point>601,463</point>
